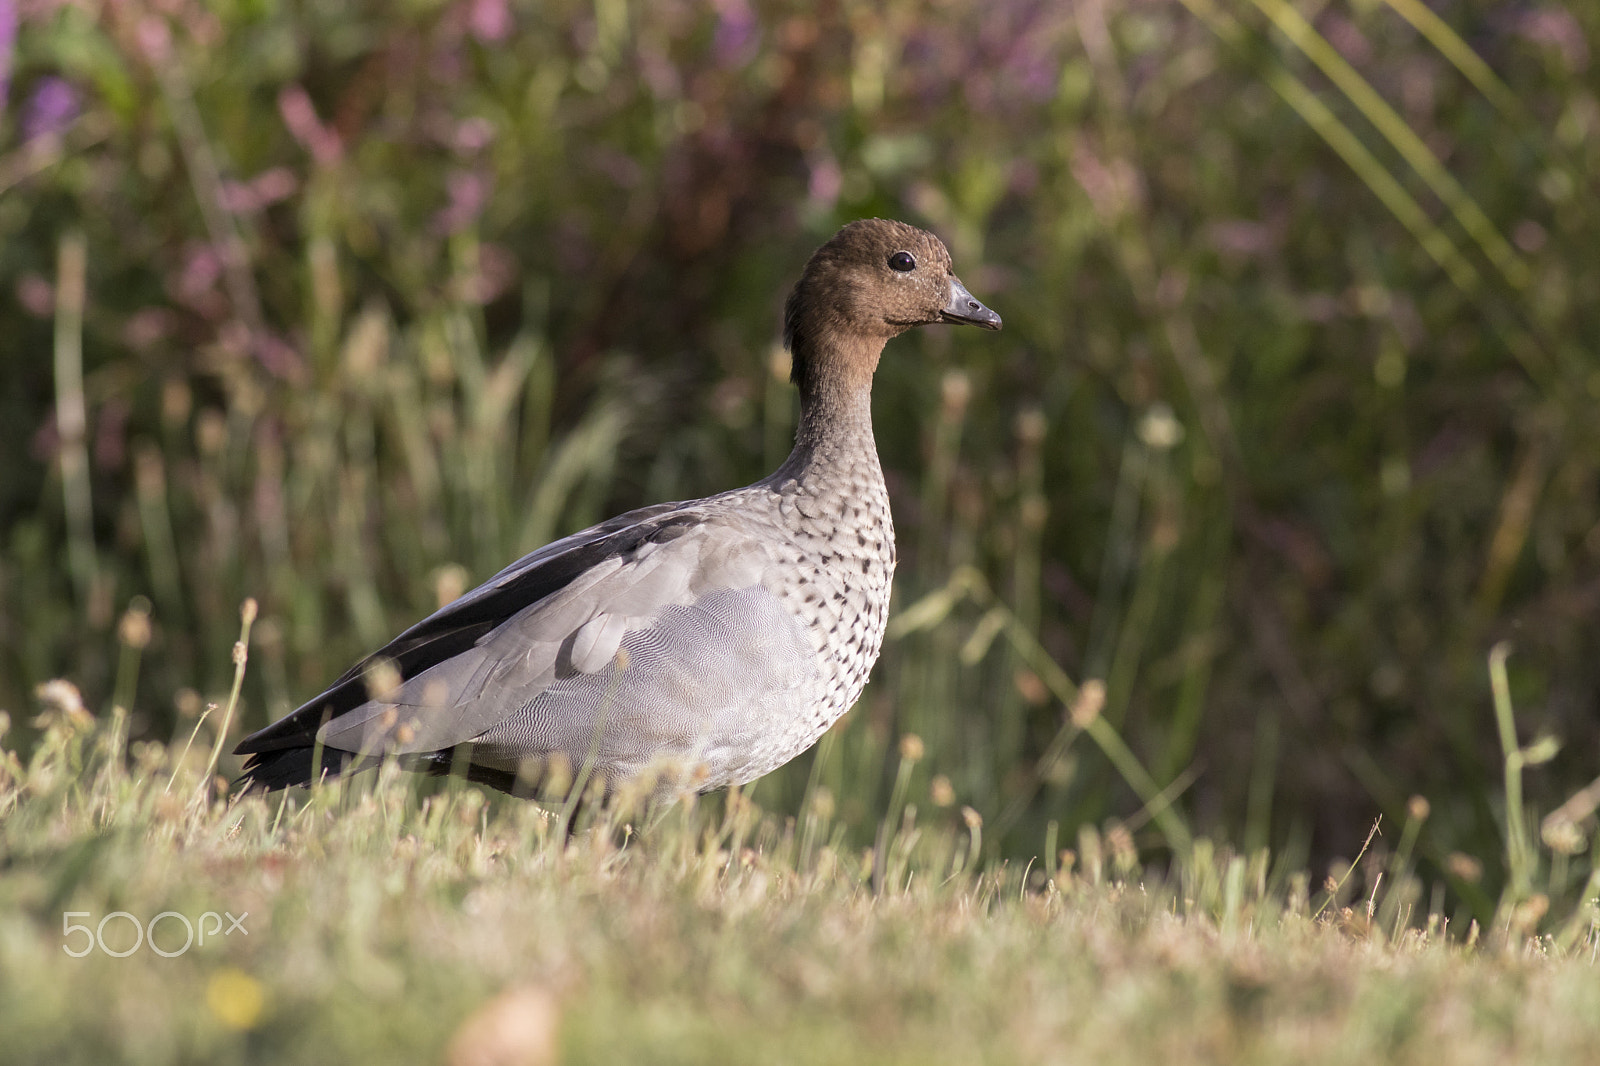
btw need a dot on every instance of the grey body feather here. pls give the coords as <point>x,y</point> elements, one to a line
<point>674,657</point>
<point>702,644</point>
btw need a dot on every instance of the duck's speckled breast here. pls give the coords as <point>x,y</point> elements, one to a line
<point>833,559</point>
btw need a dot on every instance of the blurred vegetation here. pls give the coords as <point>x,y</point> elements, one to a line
<point>344,306</point>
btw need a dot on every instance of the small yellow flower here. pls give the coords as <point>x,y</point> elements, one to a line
<point>911,748</point>
<point>235,998</point>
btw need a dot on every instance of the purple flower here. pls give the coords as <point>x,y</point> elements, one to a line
<point>490,20</point>
<point>735,40</point>
<point>1035,75</point>
<point>51,109</point>
<point>1555,27</point>
<point>469,195</point>
<point>826,181</point>
<point>300,115</point>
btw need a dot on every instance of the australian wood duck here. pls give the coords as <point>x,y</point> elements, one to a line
<point>710,641</point>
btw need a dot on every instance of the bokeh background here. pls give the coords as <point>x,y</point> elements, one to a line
<point>342,306</point>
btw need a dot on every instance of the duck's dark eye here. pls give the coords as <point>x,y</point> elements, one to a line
<point>902,261</point>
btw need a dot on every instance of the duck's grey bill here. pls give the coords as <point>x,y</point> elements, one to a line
<point>964,307</point>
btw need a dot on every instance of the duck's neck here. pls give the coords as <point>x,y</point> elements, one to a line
<point>835,410</point>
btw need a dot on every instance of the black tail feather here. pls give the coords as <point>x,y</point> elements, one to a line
<point>286,767</point>
<point>270,771</point>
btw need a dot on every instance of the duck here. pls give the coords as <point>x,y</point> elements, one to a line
<point>695,645</point>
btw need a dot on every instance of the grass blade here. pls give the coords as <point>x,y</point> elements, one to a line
<point>1460,55</point>
<point>1404,139</point>
<point>1401,204</point>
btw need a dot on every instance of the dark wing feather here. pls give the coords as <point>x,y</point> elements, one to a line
<point>459,625</point>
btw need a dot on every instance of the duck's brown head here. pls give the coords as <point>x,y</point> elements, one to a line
<point>873,280</point>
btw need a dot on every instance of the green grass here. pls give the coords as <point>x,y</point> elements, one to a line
<point>385,924</point>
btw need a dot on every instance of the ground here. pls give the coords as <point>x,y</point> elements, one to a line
<point>376,922</point>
